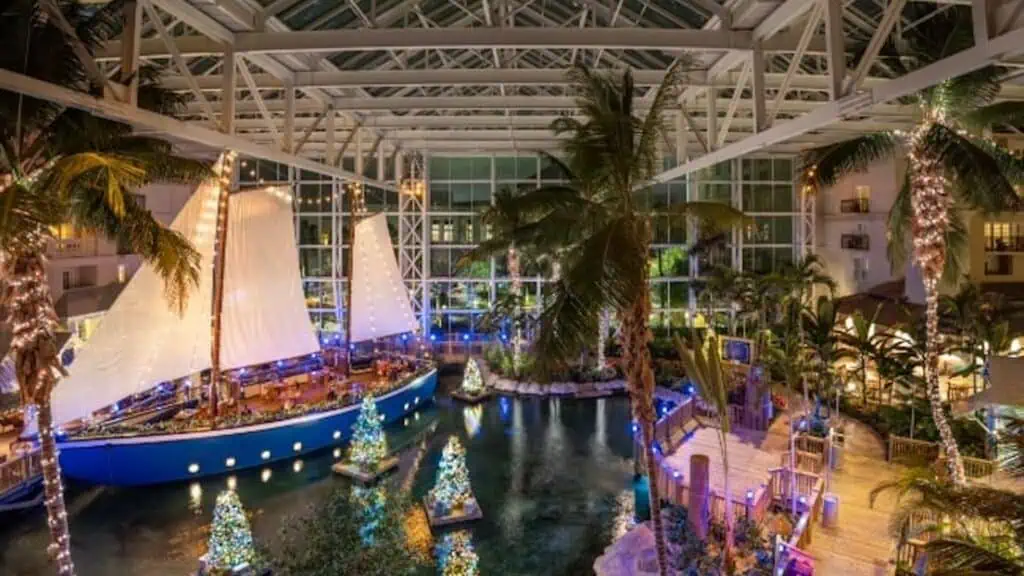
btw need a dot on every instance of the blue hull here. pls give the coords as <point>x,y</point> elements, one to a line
<point>157,459</point>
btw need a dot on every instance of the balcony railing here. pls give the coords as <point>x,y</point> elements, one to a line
<point>855,242</point>
<point>854,206</point>
<point>1004,244</point>
<point>72,248</point>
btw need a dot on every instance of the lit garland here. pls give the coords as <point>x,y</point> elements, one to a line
<point>230,539</point>
<point>33,320</point>
<point>931,203</point>
<point>472,382</point>
<point>369,446</point>
<point>452,488</point>
<point>455,555</point>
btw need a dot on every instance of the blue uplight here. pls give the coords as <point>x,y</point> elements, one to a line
<point>433,337</point>
<point>465,337</point>
<point>280,363</point>
<point>635,428</point>
<point>405,337</point>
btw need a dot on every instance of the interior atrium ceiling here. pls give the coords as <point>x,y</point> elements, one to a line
<point>327,79</point>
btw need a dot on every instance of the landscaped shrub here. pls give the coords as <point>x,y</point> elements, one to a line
<point>692,557</point>
<point>886,420</point>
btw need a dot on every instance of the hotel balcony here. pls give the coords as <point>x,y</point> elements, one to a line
<point>1004,244</point>
<point>855,242</point>
<point>855,206</point>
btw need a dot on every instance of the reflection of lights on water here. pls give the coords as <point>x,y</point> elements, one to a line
<point>265,475</point>
<point>505,406</point>
<point>297,466</point>
<point>471,416</point>
<point>337,453</point>
<point>232,482</point>
<point>625,513</point>
<point>265,455</point>
<point>195,497</point>
<point>416,416</point>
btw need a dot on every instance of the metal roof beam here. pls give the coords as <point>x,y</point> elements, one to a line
<point>367,39</point>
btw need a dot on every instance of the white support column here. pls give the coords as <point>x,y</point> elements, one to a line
<point>757,86</point>
<point>808,223</point>
<point>130,41</point>
<point>681,138</point>
<point>979,19</point>
<point>288,142</point>
<point>227,118</point>
<point>358,135</point>
<point>330,135</point>
<point>425,243</point>
<point>835,47</point>
<point>712,119</point>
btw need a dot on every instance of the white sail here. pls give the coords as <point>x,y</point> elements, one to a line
<point>264,316</point>
<point>141,342</point>
<point>380,300</point>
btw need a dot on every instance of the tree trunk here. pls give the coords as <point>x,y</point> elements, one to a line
<point>641,391</point>
<point>932,204</point>
<point>26,305</point>
<point>517,290</point>
<point>57,517</point>
<point>602,340</point>
<point>953,459</point>
<point>730,524</point>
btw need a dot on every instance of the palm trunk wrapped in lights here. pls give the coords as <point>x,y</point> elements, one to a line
<point>29,308</point>
<point>640,378</point>
<point>931,204</point>
<point>517,292</point>
<point>602,339</point>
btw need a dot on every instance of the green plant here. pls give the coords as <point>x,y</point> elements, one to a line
<point>330,538</point>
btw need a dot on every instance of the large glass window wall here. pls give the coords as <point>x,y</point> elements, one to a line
<point>460,188</point>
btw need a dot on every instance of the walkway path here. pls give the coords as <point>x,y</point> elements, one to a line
<point>862,538</point>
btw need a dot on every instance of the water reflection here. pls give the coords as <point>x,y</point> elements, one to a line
<point>471,419</point>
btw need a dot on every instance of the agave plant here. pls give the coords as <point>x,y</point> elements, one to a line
<point>953,167</point>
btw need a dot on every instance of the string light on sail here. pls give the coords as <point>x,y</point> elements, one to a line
<point>358,198</point>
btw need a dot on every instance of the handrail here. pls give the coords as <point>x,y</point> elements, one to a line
<point>903,449</point>
<point>17,471</point>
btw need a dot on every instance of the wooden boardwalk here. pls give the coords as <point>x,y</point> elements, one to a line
<point>861,544</point>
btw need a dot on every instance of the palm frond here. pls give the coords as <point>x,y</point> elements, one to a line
<point>898,226</point>
<point>967,92</point>
<point>961,557</point>
<point>115,174</point>
<point>978,179</point>
<point>825,166</point>
<point>719,215</point>
<point>653,127</point>
<point>604,272</point>
<point>1009,113</point>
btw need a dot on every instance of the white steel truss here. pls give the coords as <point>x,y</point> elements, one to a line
<point>294,80</point>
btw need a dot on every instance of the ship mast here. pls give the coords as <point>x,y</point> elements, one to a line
<point>219,256</point>
<point>356,209</point>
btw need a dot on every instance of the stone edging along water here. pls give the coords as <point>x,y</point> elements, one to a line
<point>509,386</point>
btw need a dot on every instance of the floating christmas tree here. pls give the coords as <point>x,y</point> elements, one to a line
<point>455,555</point>
<point>369,447</point>
<point>472,382</point>
<point>452,487</point>
<point>230,539</point>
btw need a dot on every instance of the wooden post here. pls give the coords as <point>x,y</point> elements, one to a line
<point>220,256</point>
<point>700,506</point>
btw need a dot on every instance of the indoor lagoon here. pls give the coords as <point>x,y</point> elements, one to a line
<point>553,476</point>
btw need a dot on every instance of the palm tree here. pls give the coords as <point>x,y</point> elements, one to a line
<point>60,166</point>
<point>787,356</point>
<point>703,366</point>
<point>952,167</point>
<point>822,337</point>
<point>803,276</point>
<point>503,217</point>
<point>961,313</point>
<point>975,529</point>
<point>601,235</point>
<point>860,341</point>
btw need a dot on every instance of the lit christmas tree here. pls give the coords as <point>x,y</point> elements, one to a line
<point>455,555</point>
<point>452,487</point>
<point>230,539</point>
<point>369,446</point>
<point>472,382</point>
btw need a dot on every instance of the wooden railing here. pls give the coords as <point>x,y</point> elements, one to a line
<point>15,472</point>
<point>902,449</point>
<point>810,491</point>
<point>805,461</point>
<point>811,444</point>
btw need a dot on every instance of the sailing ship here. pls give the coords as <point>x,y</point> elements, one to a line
<point>237,379</point>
